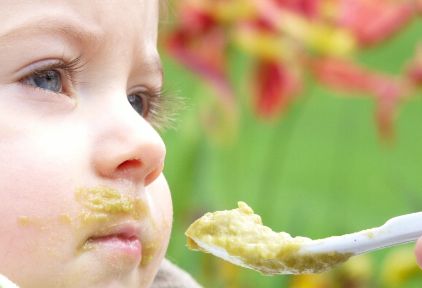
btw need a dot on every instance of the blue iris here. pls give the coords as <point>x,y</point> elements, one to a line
<point>48,80</point>
<point>137,103</point>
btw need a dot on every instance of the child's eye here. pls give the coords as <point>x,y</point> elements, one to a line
<point>54,75</point>
<point>156,108</point>
<point>48,80</point>
<point>139,102</point>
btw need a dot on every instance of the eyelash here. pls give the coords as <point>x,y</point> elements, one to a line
<point>66,69</point>
<point>162,106</point>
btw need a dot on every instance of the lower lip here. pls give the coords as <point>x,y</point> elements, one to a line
<point>116,244</point>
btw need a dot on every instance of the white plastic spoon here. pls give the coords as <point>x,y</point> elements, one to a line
<point>397,230</point>
<point>239,237</point>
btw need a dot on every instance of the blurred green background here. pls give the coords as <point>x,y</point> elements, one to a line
<point>318,170</point>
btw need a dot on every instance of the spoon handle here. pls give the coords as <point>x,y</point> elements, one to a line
<point>397,230</point>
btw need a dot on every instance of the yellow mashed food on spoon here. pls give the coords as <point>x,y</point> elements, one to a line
<point>238,236</point>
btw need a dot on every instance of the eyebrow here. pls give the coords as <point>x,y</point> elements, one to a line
<point>69,29</point>
<point>74,32</point>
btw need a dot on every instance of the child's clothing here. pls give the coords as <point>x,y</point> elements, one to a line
<point>171,276</point>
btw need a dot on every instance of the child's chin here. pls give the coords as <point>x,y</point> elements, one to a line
<point>104,267</point>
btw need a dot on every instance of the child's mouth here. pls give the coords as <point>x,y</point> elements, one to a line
<point>119,240</point>
<point>127,245</point>
<point>103,206</point>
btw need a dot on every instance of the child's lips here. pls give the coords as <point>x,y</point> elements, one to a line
<point>121,239</point>
<point>124,230</point>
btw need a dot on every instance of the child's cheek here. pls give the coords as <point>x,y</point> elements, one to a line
<point>35,242</point>
<point>159,200</point>
<point>37,175</point>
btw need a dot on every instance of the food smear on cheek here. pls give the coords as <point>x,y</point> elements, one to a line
<point>151,246</point>
<point>26,221</point>
<point>45,238</point>
<point>43,222</point>
<point>33,222</point>
<point>149,252</point>
<point>101,203</point>
<point>65,219</point>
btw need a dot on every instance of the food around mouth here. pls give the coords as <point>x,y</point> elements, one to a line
<point>101,202</point>
<point>102,205</point>
<point>239,237</point>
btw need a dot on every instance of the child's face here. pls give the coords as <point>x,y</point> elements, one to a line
<point>83,201</point>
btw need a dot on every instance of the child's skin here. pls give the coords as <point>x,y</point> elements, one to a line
<point>418,252</point>
<point>65,131</point>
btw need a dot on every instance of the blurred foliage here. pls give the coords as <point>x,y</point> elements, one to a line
<point>290,40</point>
<point>319,169</point>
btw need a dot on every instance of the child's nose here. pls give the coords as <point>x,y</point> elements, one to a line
<point>129,149</point>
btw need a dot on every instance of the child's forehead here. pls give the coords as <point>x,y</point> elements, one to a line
<point>90,24</point>
<point>84,19</point>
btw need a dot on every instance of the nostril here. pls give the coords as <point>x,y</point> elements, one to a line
<point>129,165</point>
<point>152,176</point>
<point>135,168</point>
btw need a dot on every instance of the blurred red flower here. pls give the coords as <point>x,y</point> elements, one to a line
<point>289,37</point>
